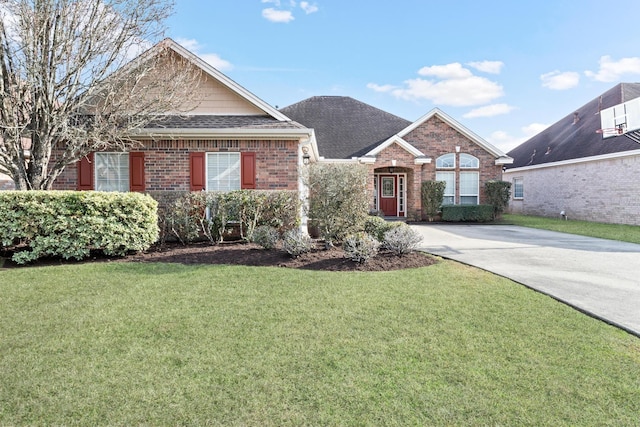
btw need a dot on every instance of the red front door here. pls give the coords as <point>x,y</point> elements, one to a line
<point>388,194</point>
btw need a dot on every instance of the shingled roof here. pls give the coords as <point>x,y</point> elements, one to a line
<point>221,122</point>
<point>345,127</point>
<point>575,136</point>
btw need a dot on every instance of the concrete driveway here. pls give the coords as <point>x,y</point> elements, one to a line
<point>597,276</point>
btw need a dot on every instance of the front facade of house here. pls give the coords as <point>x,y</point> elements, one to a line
<point>231,140</point>
<point>570,171</point>
<point>401,155</point>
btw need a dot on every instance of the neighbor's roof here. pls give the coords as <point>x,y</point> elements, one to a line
<point>575,136</point>
<point>345,127</point>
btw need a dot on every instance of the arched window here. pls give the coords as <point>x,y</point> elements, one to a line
<point>446,161</point>
<point>467,161</point>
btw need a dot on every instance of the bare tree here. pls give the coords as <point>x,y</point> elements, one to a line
<point>69,85</point>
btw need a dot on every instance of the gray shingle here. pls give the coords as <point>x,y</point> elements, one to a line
<point>222,122</point>
<point>345,127</point>
<point>568,139</point>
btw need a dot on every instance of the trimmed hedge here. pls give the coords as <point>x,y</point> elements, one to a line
<point>70,224</point>
<point>467,213</point>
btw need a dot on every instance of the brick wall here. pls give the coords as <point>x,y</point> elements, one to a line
<point>434,138</point>
<point>167,163</point>
<point>605,190</point>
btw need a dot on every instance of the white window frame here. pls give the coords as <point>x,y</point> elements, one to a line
<point>464,192</point>
<point>227,179</point>
<point>467,161</point>
<point>111,171</point>
<point>518,183</point>
<point>443,161</point>
<point>450,189</point>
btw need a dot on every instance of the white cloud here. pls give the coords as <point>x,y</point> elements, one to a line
<point>533,129</point>
<point>489,111</point>
<point>381,88</point>
<point>211,58</point>
<point>459,92</point>
<point>308,7</point>
<point>449,71</point>
<point>611,71</point>
<point>491,67</point>
<point>279,16</point>
<point>450,84</point>
<point>557,80</point>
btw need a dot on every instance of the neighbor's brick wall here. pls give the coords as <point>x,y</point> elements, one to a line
<point>434,138</point>
<point>167,163</point>
<point>602,191</point>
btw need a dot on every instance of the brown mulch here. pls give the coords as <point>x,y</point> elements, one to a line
<point>234,253</point>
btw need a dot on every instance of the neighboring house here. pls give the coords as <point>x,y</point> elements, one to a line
<point>231,140</point>
<point>570,169</point>
<point>399,154</point>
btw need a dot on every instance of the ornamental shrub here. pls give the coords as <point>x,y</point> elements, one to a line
<point>432,193</point>
<point>338,199</point>
<point>498,194</point>
<point>360,247</point>
<point>296,243</point>
<point>467,213</point>
<point>70,224</point>
<point>402,240</point>
<point>266,236</point>
<point>376,227</point>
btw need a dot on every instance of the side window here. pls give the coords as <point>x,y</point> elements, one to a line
<point>223,171</point>
<point>518,188</point>
<point>450,189</point>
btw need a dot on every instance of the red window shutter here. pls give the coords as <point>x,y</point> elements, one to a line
<point>197,171</point>
<point>248,170</point>
<point>136,171</point>
<point>85,172</point>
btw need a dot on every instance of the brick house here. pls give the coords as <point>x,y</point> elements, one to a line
<point>571,168</point>
<point>231,140</point>
<point>399,154</point>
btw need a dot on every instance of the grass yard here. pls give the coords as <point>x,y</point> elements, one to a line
<point>621,232</point>
<point>167,344</point>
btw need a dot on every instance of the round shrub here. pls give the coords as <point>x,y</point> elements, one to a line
<point>266,236</point>
<point>296,243</point>
<point>402,240</point>
<point>360,247</point>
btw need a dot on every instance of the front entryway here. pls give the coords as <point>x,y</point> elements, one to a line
<point>390,194</point>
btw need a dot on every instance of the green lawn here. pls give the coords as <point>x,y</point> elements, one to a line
<point>623,233</point>
<point>162,344</point>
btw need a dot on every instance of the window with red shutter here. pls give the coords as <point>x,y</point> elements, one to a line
<point>136,171</point>
<point>197,171</point>
<point>85,172</point>
<point>248,170</point>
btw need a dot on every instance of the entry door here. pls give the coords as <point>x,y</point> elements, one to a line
<point>388,190</point>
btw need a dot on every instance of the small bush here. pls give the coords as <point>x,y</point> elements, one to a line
<point>432,193</point>
<point>402,240</point>
<point>360,247</point>
<point>296,243</point>
<point>498,194</point>
<point>376,227</point>
<point>266,236</point>
<point>69,224</point>
<point>467,213</point>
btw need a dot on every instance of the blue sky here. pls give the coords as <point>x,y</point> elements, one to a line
<point>505,69</point>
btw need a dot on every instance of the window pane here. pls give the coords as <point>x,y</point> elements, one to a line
<point>467,161</point>
<point>223,171</point>
<point>518,188</point>
<point>447,161</point>
<point>112,171</point>
<point>450,189</point>
<point>469,188</point>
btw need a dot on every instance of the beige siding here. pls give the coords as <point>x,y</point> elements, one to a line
<point>606,190</point>
<point>215,98</point>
